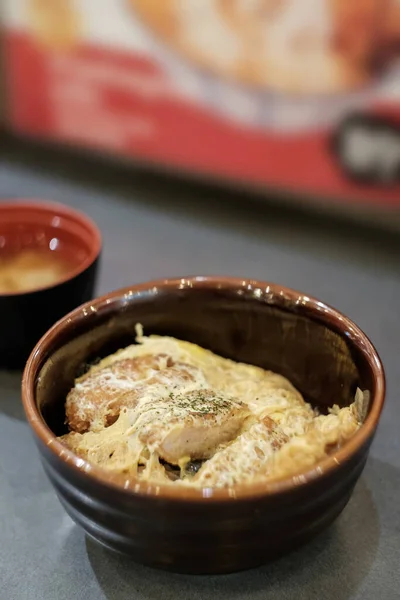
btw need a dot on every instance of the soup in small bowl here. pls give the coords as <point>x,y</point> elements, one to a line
<point>49,257</point>
<point>31,269</point>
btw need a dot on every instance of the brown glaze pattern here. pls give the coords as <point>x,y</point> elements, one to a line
<point>207,531</point>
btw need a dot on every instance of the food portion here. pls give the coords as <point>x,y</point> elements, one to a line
<point>299,47</point>
<point>30,270</point>
<point>168,411</point>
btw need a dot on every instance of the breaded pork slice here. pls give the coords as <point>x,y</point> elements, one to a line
<point>174,426</point>
<point>97,398</point>
<point>264,450</point>
<point>190,426</point>
<point>245,458</point>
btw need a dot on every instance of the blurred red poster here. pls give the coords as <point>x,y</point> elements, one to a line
<point>298,95</point>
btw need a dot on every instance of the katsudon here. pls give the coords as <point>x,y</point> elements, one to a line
<point>170,412</point>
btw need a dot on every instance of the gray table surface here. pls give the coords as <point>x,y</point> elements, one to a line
<point>153,230</point>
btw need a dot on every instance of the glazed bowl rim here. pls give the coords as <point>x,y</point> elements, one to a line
<point>111,302</point>
<point>48,206</point>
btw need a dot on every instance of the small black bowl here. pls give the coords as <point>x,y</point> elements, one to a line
<point>52,228</point>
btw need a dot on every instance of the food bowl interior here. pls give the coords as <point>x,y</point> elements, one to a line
<point>45,229</point>
<point>311,345</point>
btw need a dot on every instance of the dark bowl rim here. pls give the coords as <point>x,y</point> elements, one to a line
<point>111,302</point>
<point>49,206</point>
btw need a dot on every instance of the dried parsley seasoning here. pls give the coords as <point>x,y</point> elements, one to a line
<point>201,402</point>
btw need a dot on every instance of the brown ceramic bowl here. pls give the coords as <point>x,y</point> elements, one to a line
<point>207,531</point>
<point>59,233</point>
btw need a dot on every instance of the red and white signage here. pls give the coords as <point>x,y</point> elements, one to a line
<point>278,93</point>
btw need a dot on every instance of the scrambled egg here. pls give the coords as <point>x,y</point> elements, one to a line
<point>168,411</point>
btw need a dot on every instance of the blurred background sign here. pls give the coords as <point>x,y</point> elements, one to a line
<point>300,96</point>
